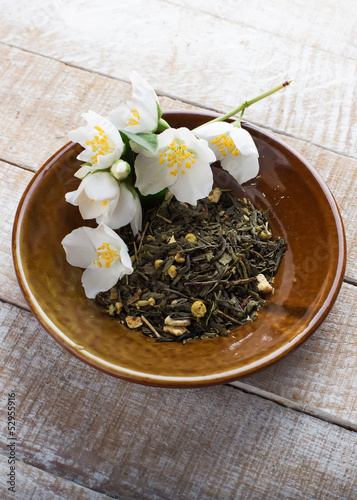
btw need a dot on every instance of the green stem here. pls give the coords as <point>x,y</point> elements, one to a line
<point>237,123</point>
<point>246,104</point>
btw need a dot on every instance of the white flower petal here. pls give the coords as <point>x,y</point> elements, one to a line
<point>151,177</point>
<point>105,233</point>
<point>142,91</point>
<point>137,221</point>
<point>80,251</point>
<point>242,168</point>
<point>244,141</point>
<point>140,114</point>
<point>100,139</point>
<point>102,252</point>
<point>126,266</point>
<point>245,166</point>
<point>213,129</point>
<point>94,209</point>
<point>212,133</point>
<point>101,197</point>
<point>127,210</point>
<point>95,280</point>
<point>194,186</point>
<point>96,195</point>
<point>83,171</point>
<point>101,186</point>
<point>181,164</point>
<point>120,116</point>
<point>75,197</point>
<point>234,147</point>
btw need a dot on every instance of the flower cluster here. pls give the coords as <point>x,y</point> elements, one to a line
<point>134,151</point>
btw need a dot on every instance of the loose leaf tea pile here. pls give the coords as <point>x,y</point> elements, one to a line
<point>198,271</point>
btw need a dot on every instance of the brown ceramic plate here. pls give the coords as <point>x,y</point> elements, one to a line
<point>303,212</point>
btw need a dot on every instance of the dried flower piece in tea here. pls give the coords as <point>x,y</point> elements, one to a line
<point>222,275</point>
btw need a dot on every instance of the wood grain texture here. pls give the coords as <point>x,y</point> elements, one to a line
<point>319,377</point>
<point>213,60</point>
<point>338,172</point>
<point>298,24</point>
<point>13,182</point>
<point>129,441</point>
<point>39,485</point>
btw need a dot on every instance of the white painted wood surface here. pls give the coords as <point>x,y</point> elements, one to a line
<point>288,431</point>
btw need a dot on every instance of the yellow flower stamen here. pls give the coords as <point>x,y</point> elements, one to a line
<point>104,203</point>
<point>225,145</point>
<point>177,158</point>
<point>100,145</point>
<point>106,256</point>
<point>136,117</point>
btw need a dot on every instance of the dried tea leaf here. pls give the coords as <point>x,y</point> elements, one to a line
<point>218,268</point>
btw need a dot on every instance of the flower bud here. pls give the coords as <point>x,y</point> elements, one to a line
<point>120,170</point>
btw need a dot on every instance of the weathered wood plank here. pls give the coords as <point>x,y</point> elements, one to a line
<point>9,202</point>
<point>13,182</point>
<point>214,61</point>
<point>122,439</point>
<point>298,24</point>
<point>321,375</point>
<point>38,484</point>
<point>40,110</point>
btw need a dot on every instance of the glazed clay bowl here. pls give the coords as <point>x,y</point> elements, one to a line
<point>302,211</point>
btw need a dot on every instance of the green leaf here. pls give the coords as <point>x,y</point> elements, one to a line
<point>162,125</point>
<point>146,141</point>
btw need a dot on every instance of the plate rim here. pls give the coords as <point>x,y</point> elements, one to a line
<point>183,381</point>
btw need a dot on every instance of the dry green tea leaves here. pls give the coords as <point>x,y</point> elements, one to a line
<point>198,271</point>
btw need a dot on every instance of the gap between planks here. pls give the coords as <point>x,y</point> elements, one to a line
<point>66,481</point>
<point>350,281</point>
<point>23,167</point>
<point>287,403</point>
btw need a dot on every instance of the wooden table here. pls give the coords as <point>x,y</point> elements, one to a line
<point>286,432</point>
